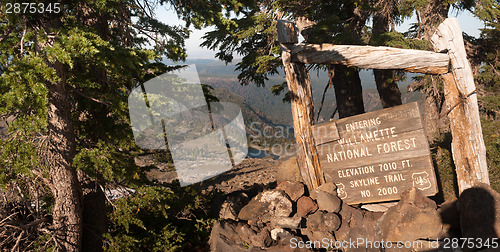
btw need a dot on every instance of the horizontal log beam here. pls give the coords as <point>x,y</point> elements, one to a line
<point>372,57</point>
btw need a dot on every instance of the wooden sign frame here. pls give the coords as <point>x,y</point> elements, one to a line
<point>468,148</point>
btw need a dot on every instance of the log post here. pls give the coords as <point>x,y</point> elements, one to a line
<point>468,149</point>
<point>299,85</point>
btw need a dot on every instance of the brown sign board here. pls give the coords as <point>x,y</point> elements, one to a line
<point>374,157</point>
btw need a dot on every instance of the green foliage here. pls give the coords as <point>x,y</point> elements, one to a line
<point>444,166</point>
<point>489,81</point>
<point>161,218</point>
<point>251,34</point>
<point>398,40</point>
<point>491,134</point>
<point>98,50</point>
<point>100,65</point>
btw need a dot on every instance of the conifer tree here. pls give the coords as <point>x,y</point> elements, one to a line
<point>248,28</point>
<point>384,19</point>
<point>66,71</point>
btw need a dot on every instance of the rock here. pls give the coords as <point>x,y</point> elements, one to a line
<point>450,218</point>
<point>357,224</point>
<point>319,238</point>
<point>289,171</point>
<point>263,239</point>
<point>415,197</point>
<point>328,202</point>
<point>479,209</point>
<point>379,207</point>
<point>323,221</point>
<point>265,206</point>
<point>225,237</point>
<point>286,222</point>
<point>313,194</point>
<point>276,232</point>
<point>287,242</point>
<point>305,206</point>
<point>232,206</point>
<point>293,189</point>
<point>328,187</point>
<point>253,237</point>
<point>414,217</point>
<point>229,235</point>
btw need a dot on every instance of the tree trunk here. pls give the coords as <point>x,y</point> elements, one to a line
<point>67,211</point>
<point>93,214</point>
<point>346,81</point>
<point>348,90</point>
<point>387,88</point>
<point>435,12</point>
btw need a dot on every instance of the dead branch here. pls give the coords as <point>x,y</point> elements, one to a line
<point>92,98</point>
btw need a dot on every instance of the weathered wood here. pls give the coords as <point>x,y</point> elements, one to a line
<point>379,185</point>
<point>373,57</point>
<point>387,148</point>
<point>401,145</point>
<point>299,85</point>
<point>325,133</point>
<point>468,149</point>
<point>287,32</point>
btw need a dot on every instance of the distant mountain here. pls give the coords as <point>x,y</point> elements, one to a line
<point>267,108</point>
<point>250,114</point>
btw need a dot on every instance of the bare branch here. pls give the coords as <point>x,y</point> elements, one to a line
<point>91,98</point>
<point>22,39</point>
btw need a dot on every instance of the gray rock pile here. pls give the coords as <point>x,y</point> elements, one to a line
<point>278,219</point>
<point>289,218</point>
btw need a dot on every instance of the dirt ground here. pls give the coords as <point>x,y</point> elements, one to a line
<point>249,172</point>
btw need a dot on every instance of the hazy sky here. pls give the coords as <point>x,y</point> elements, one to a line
<point>467,21</point>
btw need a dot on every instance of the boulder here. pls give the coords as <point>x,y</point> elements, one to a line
<point>323,221</point>
<point>258,238</point>
<point>314,194</point>
<point>289,171</point>
<point>379,207</point>
<point>276,233</point>
<point>265,206</point>
<point>450,218</point>
<point>232,206</point>
<point>479,209</point>
<point>328,187</point>
<point>230,235</point>
<point>357,224</point>
<point>286,222</point>
<point>414,217</point>
<point>287,242</point>
<point>293,189</point>
<point>305,206</point>
<point>225,236</point>
<point>328,202</point>
<point>321,239</point>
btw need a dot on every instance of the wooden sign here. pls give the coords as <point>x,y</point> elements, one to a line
<point>374,157</point>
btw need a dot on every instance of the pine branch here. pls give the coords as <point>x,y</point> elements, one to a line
<point>6,33</point>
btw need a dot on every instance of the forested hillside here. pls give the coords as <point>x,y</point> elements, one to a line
<point>219,75</point>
